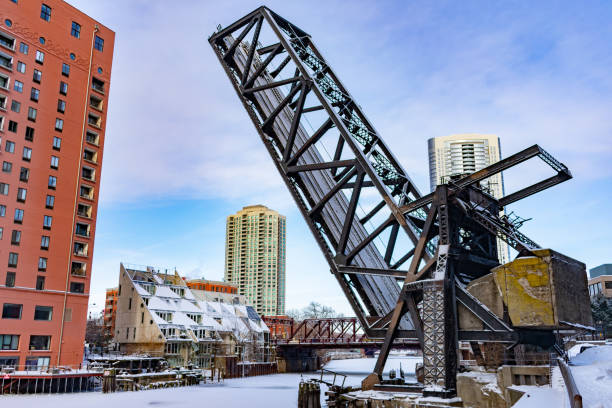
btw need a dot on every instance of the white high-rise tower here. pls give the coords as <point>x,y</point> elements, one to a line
<point>462,154</point>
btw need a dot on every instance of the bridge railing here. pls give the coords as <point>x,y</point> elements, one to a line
<point>572,390</point>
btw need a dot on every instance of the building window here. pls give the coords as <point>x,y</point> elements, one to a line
<point>18,217</point>
<point>12,127</point>
<point>9,147</point>
<point>50,202</point>
<point>63,88</point>
<point>47,220</point>
<point>15,107</point>
<point>21,67</point>
<point>57,143</point>
<point>32,114</point>
<point>77,287</point>
<point>37,76</point>
<point>11,311</point>
<point>24,48</point>
<point>9,342</point>
<point>40,342</point>
<point>18,86</point>
<point>52,182</point>
<point>21,194</point>
<point>61,106</point>
<point>75,31</point>
<point>4,188</point>
<point>45,12</point>
<point>24,174</point>
<point>29,135</point>
<point>59,124</point>
<point>99,43</point>
<point>15,237</point>
<point>27,154</point>
<point>10,280</point>
<point>43,312</point>
<point>7,167</point>
<point>34,95</point>
<point>37,363</point>
<point>54,162</point>
<point>13,259</point>
<point>40,283</point>
<point>65,69</point>
<point>44,242</point>
<point>42,264</point>
<point>40,56</point>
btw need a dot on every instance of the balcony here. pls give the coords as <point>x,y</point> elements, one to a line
<point>88,173</point>
<point>78,269</point>
<point>6,61</point>
<point>91,137</point>
<point>86,192</point>
<point>94,120</point>
<point>84,210</point>
<point>82,230</point>
<point>7,41</point>
<point>96,103</point>
<point>90,155</point>
<point>80,249</point>
<point>97,85</point>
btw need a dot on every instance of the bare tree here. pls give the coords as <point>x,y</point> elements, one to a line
<point>314,310</point>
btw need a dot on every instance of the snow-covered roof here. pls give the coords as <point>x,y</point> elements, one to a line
<point>240,320</point>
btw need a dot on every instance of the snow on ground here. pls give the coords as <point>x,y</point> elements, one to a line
<point>592,371</point>
<point>364,366</point>
<point>269,391</point>
<point>540,397</point>
<point>274,391</point>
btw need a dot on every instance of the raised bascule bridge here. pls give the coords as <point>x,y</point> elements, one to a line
<point>414,268</point>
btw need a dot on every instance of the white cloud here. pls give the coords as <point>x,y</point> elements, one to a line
<point>528,73</point>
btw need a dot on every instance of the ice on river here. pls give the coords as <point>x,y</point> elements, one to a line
<point>269,391</point>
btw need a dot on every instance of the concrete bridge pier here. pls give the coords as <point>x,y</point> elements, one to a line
<point>298,360</point>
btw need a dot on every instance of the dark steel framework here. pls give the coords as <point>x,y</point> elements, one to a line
<point>447,238</point>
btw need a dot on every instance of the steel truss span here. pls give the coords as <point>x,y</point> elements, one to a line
<point>398,256</point>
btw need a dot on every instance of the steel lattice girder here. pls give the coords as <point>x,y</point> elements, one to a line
<point>329,191</point>
<point>330,213</point>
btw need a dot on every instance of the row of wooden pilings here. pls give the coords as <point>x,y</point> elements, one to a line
<point>309,395</point>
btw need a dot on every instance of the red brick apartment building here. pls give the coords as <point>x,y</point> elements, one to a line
<point>55,66</point>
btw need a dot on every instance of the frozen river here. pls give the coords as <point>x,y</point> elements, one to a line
<point>279,390</point>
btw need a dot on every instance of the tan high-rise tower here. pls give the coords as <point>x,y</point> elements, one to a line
<point>462,154</point>
<point>255,257</point>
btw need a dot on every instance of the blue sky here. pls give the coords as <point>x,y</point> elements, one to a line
<point>181,153</point>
